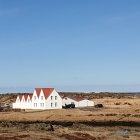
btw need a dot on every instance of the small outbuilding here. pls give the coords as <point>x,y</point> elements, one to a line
<point>79,102</point>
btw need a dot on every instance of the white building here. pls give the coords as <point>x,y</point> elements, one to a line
<point>47,98</point>
<point>77,101</point>
<point>18,103</point>
<point>42,98</point>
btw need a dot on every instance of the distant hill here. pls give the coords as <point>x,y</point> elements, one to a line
<point>9,97</point>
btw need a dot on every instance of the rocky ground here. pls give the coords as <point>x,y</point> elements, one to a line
<point>76,131</point>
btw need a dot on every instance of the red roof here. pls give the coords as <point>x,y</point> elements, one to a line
<point>30,96</point>
<point>20,97</point>
<point>25,96</point>
<point>38,90</point>
<point>47,92</point>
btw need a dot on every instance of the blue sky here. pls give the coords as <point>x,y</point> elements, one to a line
<point>73,45</point>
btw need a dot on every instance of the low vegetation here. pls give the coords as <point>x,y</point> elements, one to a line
<point>118,119</point>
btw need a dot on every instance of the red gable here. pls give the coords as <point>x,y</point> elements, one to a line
<point>25,96</point>
<point>30,96</point>
<point>47,92</point>
<point>20,97</point>
<point>38,90</point>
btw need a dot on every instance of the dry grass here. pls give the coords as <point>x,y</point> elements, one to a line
<point>112,111</point>
<point>115,110</point>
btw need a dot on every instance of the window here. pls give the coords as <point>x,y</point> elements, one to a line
<point>34,97</point>
<point>51,104</point>
<point>65,98</point>
<point>28,100</point>
<point>35,104</point>
<point>55,97</point>
<point>41,97</point>
<point>41,104</point>
<point>51,97</point>
<point>55,104</point>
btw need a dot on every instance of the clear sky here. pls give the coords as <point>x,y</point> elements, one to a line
<point>72,45</point>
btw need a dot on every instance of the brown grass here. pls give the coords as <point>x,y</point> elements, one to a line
<point>110,112</point>
<point>127,110</point>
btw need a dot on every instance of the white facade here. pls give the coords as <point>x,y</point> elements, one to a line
<point>42,98</point>
<point>17,104</point>
<point>67,100</point>
<point>47,98</point>
<point>77,102</point>
<point>84,103</point>
<point>28,102</point>
<point>46,101</point>
<point>23,102</point>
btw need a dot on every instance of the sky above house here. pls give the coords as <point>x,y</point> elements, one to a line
<point>72,45</point>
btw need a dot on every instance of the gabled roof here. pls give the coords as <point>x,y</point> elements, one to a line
<point>38,90</point>
<point>25,96</point>
<point>30,96</point>
<point>20,97</point>
<point>47,92</point>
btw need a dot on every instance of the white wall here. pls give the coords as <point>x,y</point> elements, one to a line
<point>43,103</point>
<point>67,101</point>
<point>85,103</point>
<point>17,104</point>
<point>35,101</point>
<point>54,101</point>
<point>82,103</point>
<point>28,103</point>
<point>23,104</point>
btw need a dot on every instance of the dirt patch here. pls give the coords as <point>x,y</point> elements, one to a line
<point>14,137</point>
<point>81,136</point>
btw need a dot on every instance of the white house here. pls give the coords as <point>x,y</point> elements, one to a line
<point>17,104</point>
<point>77,101</point>
<point>28,101</point>
<point>23,102</point>
<point>42,98</point>
<point>46,98</point>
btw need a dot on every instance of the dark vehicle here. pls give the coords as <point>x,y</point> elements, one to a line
<point>1,109</point>
<point>69,106</point>
<point>99,106</point>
